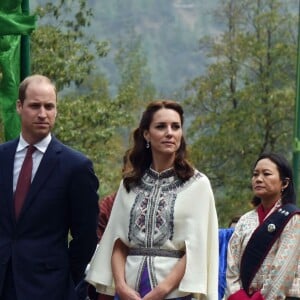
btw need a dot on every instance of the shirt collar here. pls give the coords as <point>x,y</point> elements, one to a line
<point>41,145</point>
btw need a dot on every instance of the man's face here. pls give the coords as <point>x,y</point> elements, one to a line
<point>38,111</point>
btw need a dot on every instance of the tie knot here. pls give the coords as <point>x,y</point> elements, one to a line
<point>30,150</point>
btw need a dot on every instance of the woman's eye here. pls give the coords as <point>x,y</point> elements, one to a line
<point>160,126</point>
<point>176,126</point>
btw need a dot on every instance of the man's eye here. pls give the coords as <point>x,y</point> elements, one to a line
<point>49,107</point>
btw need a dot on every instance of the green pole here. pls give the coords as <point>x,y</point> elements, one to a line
<point>296,148</point>
<point>25,46</point>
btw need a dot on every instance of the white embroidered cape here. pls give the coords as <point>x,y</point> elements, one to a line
<point>183,217</point>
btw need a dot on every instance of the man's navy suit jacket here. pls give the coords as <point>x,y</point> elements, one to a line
<point>62,201</point>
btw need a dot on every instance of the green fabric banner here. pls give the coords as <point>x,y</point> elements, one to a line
<point>13,24</point>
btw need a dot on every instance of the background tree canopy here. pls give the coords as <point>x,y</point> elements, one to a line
<point>244,104</point>
<point>231,63</point>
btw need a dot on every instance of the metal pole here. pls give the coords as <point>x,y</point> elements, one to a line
<point>296,150</point>
<point>25,46</point>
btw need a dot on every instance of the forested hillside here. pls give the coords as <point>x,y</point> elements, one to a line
<point>169,31</point>
<point>234,71</point>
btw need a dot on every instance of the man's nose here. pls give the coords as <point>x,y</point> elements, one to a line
<point>42,112</point>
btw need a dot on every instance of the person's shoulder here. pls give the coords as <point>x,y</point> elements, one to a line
<point>198,181</point>
<point>68,150</point>
<point>199,176</point>
<point>249,215</point>
<point>8,144</point>
<point>109,198</point>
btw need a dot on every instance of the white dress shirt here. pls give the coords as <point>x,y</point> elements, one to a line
<point>37,156</point>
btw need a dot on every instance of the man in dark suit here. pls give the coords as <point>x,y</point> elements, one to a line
<point>36,260</point>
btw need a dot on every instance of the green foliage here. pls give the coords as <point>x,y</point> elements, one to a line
<point>169,33</point>
<point>244,104</point>
<point>60,48</point>
<point>89,124</point>
<point>135,88</point>
<point>89,119</point>
<point>2,138</point>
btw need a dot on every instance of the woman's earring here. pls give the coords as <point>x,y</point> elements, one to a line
<point>147,145</point>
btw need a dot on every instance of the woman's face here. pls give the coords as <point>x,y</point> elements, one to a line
<point>266,182</point>
<point>165,132</point>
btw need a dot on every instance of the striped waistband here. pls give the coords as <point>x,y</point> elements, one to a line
<point>156,252</point>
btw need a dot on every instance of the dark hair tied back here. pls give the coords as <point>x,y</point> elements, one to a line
<point>285,172</point>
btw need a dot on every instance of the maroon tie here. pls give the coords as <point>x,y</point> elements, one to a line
<point>24,180</point>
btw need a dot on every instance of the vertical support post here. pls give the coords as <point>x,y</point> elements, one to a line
<point>25,69</point>
<point>296,146</point>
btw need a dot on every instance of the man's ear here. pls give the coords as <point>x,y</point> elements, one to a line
<point>18,106</point>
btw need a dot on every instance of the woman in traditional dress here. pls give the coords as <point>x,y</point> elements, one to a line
<point>264,251</point>
<point>161,241</point>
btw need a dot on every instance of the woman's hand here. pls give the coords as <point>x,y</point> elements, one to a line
<point>158,293</point>
<point>125,292</point>
<point>169,283</point>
